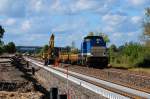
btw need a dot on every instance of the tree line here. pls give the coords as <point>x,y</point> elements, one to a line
<point>134,54</point>
<point>6,48</point>
<point>130,54</point>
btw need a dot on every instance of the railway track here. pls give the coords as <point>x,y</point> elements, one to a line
<point>113,70</point>
<point>135,80</point>
<point>122,77</point>
<point>102,87</point>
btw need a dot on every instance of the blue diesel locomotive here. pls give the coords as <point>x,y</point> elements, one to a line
<point>94,52</point>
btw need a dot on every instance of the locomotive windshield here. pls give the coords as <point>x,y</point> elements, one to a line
<point>95,40</point>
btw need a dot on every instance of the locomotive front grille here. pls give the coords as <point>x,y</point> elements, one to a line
<point>98,51</point>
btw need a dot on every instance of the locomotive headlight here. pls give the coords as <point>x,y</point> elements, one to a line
<point>104,54</point>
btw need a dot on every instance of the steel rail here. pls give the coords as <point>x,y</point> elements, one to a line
<point>111,84</point>
<point>101,91</point>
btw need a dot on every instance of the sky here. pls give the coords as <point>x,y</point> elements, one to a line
<point>31,22</point>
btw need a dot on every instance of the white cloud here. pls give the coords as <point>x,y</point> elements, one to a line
<point>137,2</point>
<point>71,25</point>
<point>70,17</point>
<point>136,19</point>
<point>60,28</point>
<point>108,29</point>
<point>32,39</point>
<point>36,5</point>
<point>117,35</point>
<point>26,25</point>
<point>85,4</point>
<point>131,34</point>
<point>113,19</point>
<point>92,6</point>
<point>73,6</point>
<point>10,21</point>
<point>56,4</point>
<point>13,8</point>
<point>34,36</point>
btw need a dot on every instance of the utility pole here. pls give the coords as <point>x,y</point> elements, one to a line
<point>68,94</point>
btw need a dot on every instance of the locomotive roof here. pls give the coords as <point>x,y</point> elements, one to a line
<point>92,37</point>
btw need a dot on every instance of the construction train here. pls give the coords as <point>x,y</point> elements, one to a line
<point>93,53</point>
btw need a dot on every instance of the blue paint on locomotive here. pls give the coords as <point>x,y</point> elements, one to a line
<point>91,41</point>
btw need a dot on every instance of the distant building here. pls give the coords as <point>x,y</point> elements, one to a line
<point>28,48</point>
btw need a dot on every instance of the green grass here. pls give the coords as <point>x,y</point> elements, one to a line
<point>147,70</point>
<point>130,68</point>
<point>124,66</point>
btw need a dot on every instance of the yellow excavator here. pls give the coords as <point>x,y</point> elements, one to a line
<point>50,56</point>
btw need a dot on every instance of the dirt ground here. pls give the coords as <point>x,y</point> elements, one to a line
<point>17,95</point>
<point>15,84</point>
<point>10,73</point>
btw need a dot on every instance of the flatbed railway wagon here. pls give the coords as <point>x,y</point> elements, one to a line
<point>71,58</point>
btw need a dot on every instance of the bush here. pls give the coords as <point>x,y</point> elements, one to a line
<point>1,50</point>
<point>144,61</point>
<point>132,54</point>
<point>10,47</point>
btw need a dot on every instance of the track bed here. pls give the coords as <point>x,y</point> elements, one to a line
<point>132,79</point>
<point>136,80</point>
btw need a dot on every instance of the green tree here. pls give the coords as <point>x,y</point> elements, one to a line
<point>1,42</point>
<point>120,48</point>
<point>10,47</point>
<point>68,48</point>
<point>1,49</point>
<point>133,53</point>
<point>147,26</point>
<point>113,47</point>
<point>45,48</point>
<point>105,37</point>
<point>1,32</point>
<point>112,52</point>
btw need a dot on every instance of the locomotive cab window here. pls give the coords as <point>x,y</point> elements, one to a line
<point>98,40</point>
<point>87,40</point>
